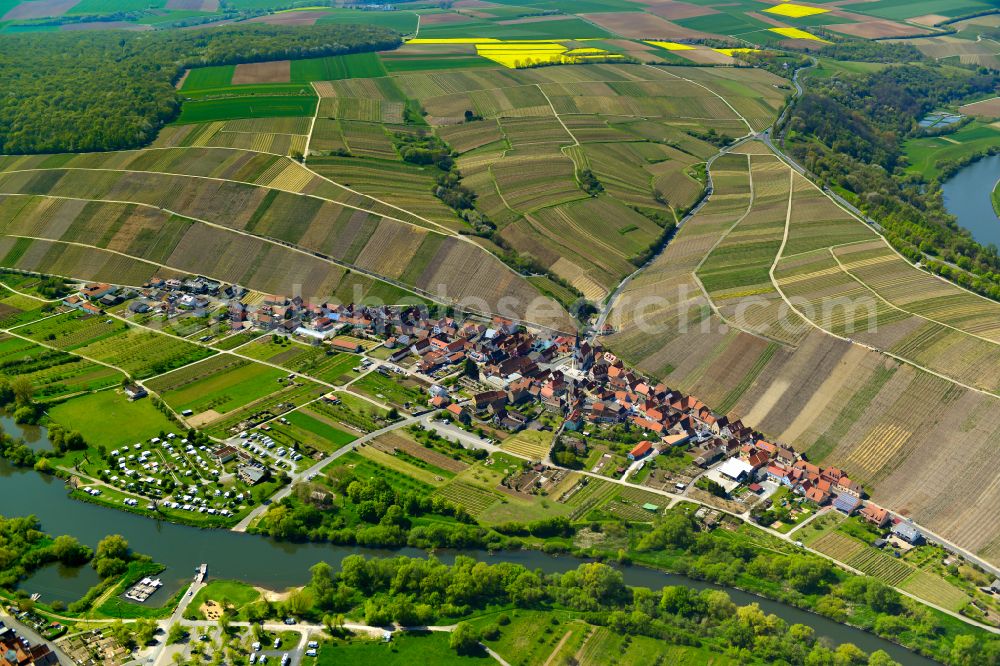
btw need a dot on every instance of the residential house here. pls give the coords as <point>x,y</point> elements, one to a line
<point>847,504</point>
<point>641,449</point>
<point>846,486</point>
<point>908,532</point>
<point>875,515</point>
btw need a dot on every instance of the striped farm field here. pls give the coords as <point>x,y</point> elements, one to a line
<point>399,441</point>
<point>936,590</point>
<point>877,564</point>
<point>531,444</point>
<point>473,499</point>
<point>463,137</point>
<point>838,546</point>
<point>589,496</point>
<point>393,462</point>
<point>532,182</point>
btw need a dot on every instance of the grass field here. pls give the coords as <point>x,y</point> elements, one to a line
<point>227,593</point>
<point>99,418</point>
<point>405,649</point>
<point>925,153</point>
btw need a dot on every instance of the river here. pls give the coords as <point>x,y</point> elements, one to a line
<point>967,197</point>
<point>276,565</point>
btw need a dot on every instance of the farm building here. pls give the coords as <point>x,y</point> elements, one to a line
<point>134,391</point>
<point>675,440</point>
<point>251,475</point>
<point>736,469</point>
<point>346,345</point>
<point>224,454</point>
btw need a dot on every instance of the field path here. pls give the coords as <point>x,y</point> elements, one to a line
<point>555,113</point>
<point>312,125</point>
<point>555,650</point>
<point>792,307</point>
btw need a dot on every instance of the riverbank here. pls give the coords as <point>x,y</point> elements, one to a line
<point>277,566</point>
<point>972,195</point>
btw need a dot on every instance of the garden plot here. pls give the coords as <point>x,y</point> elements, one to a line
<point>530,444</point>
<point>588,494</point>
<point>473,499</point>
<point>367,468</point>
<point>350,412</point>
<point>315,361</point>
<point>401,391</point>
<point>399,442</point>
<point>401,465</point>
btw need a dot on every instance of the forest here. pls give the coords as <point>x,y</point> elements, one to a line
<point>90,91</point>
<point>849,130</point>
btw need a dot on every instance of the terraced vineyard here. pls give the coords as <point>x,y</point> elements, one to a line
<point>777,305</point>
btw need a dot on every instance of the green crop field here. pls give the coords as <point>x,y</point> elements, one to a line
<point>333,437</point>
<point>401,21</point>
<point>206,386</point>
<point>331,68</point>
<point>201,78</point>
<point>199,111</point>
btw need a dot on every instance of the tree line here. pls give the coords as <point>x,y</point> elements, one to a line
<point>419,592</point>
<point>89,91</point>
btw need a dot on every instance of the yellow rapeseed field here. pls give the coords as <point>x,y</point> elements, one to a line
<point>671,46</point>
<point>523,53</point>
<point>795,11</point>
<point>795,33</point>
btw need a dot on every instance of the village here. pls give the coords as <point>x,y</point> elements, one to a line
<point>569,421</point>
<point>487,375</point>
